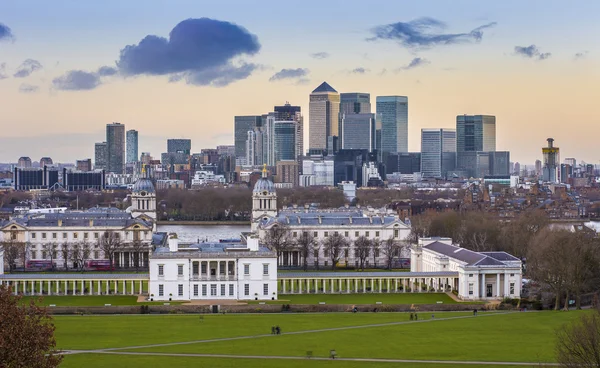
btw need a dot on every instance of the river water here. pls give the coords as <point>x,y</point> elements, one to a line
<point>194,233</point>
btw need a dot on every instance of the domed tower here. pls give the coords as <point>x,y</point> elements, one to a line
<point>264,200</point>
<point>143,199</point>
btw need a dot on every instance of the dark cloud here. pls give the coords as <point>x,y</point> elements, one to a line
<point>28,88</point>
<point>76,80</point>
<point>5,32</point>
<point>581,55</point>
<point>106,71</point>
<point>359,70</point>
<point>289,74</point>
<point>27,67</point>
<point>531,52</point>
<point>201,49</point>
<point>425,33</point>
<point>415,63</point>
<point>320,55</point>
<point>3,71</point>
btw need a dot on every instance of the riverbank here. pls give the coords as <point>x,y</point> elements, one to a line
<point>205,223</point>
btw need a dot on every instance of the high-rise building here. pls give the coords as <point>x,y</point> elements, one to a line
<point>517,168</point>
<point>438,152</point>
<point>293,113</point>
<point>355,103</point>
<point>132,146</point>
<point>100,156</point>
<point>324,108</point>
<point>287,172</point>
<point>115,141</point>
<point>242,125</point>
<point>24,162</point>
<point>538,167</point>
<point>474,133</point>
<point>551,155</point>
<point>571,161</point>
<point>45,161</point>
<point>392,120</point>
<point>284,141</point>
<point>406,163</point>
<point>358,131</point>
<point>179,146</point>
<point>34,178</point>
<point>84,165</point>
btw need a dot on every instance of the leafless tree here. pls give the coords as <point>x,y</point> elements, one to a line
<point>334,246</point>
<point>277,238</point>
<point>391,249</point>
<point>305,243</point>
<point>12,252</point>
<point>137,248</point>
<point>26,333</point>
<point>316,250</point>
<point>80,253</point>
<point>65,252</point>
<point>110,243</point>
<point>25,252</point>
<point>362,250</point>
<point>582,263</point>
<point>51,250</point>
<point>376,247</point>
<point>578,343</point>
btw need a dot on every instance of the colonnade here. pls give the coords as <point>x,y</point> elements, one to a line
<point>74,286</point>
<point>372,284</point>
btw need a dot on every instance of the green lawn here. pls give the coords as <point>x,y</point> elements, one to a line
<point>453,336</point>
<point>392,298</point>
<point>90,300</point>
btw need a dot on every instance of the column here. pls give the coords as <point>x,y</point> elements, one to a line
<point>115,287</point>
<point>291,286</point>
<point>340,285</point>
<point>48,285</point>
<point>32,287</point>
<point>16,288</point>
<point>498,285</point>
<point>482,285</point>
<point>364,283</point>
<point>380,287</point>
<point>348,286</point>
<point>82,291</point>
<point>141,287</point>
<point>106,288</point>
<point>41,287</point>
<point>372,285</point>
<point>66,288</point>
<point>507,285</point>
<point>57,287</point>
<point>218,269</point>
<point>388,285</point>
<point>356,286</point>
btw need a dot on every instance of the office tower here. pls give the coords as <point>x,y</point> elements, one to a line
<point>45,161</point>
<point>242,125</point>
<point>438,152</point>
<point>83,180</point>
<point>183,146</point>
<point>404,163</point>
<point>84,165</point>
<point>474,133</point>
<point>355,103</point>
<point>33,178</point>
<point>100,156</point>
<point>517,168</point>
<point>293,113</point>
<point>24,162</point>
<point>115,140</point>
<point>284,141</point>
<point>226,150</point>
<point>287,172</point>
<point>392,118</point>
<point>132,146</point>
<point>324,108</point>
<point>358,131</point>
<point>571,161</point>
<point>551,160</point>
<point>538,167</point>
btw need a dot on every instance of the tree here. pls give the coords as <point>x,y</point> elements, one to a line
<point>26,334</point>
<point>81,252</point>
<point>24,251</point>
<point>334,245</point>
<point>12,252</point>
<point>391,249</point>
<point>582,266</point>
<point>137,249</point>
<point>110,243</point>
<point>277,238</point>
<point>362,249</point>
<point>305,243</point>
<point>65,252</point>
<point>51,250</point>
<point>376,245</point>
<point>578,343</point>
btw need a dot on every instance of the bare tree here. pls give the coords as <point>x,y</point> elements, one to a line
<point>578,343</point>
<point>277,238</point>
<point>334,246</point>
<point>305,243</point>
<point>376,246</point>
<point>137,249</point>
<point>12,252</point>
<point>65,252</point>
<point>316,251</point>
<point>110,243</point>
<point>51,250</point>
<point>81,252</point>
<point>391,249</point>
<point>25,252</point>
<point>582,266</point>
<point>362,249</point>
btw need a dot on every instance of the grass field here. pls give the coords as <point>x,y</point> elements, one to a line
<point>90,300</point>
<point>453,337</point>
<point>392,298</point>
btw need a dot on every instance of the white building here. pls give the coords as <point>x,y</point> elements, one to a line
<point>202,178</point>
<point>317,171</point>
<point>481,275</point>
<point>209,271</point>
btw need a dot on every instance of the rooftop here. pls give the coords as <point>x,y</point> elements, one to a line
<point>324,87</point>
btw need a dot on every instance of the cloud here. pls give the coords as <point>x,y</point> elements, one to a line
<point>425,33</point>
<point>3,71</point>
<point>359,70</point>
<point>581,55</point>
<point>202,50</point>
<point>27,67</point>
<point>289,74</point>
<point>76,80</point>
<point>415,63</point>
<point>320,55</point>
<point>302,81</point>
<point>5,32</point>
<point>531,52</point>
<point>28,88</point>
<point>106,71</point>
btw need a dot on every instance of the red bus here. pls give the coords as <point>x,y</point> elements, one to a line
<point>40,265</point>
<point>99,265</point>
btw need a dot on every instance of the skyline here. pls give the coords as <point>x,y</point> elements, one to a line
<point>532,69</point>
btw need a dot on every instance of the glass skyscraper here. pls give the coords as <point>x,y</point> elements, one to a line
<point>438,152</point>
<point>324,109</point>
<point>115,141</point>
<point>392,118</point>
<point>358,131</point>
<point>132,146</point>
<point>355,103</point>
<point>474,133</point>
<point>242,125</point>
<point>284,140</point>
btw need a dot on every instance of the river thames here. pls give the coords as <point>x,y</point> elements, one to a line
<point>194,233</point>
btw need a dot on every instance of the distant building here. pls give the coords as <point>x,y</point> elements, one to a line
<point>408,163</point>
<point>115,141</point>
<point>324,108</point>
<point>24,162</point>
<point>202,178</point>
<point>551,173</point>
<point>438,152</point>
<point>183,146</point>
<point>358,131</point>
<point>100,156</point>
<point>45,161</point>
<point>242,125</point>
<point>34,178</point>
<point>84,165</point>
<point>132,146</point>
<point>169,184</point>
<point>392,120</point>
<point>293,113</point>
<point>474,133</point>
<point>317,170</point>
<point>83,180</point>
<point>287,172</point>
<point>355,103</point>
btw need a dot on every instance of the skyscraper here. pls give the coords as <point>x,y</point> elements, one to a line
<point>438,152</point>
<point>284,141</point>
<point>358,131</point>
<point>115,141</point>
<point>293,113</point>
<point>474,133</point>
<point>355,103</point>
<point>183,146</point>
<point>242,125</point>
<point>100,155</point>
<point>392,118</point>
<point>324,108</point>
<point>132,146</point>
<point>550,171</point>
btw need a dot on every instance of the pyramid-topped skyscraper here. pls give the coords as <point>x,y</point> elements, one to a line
<point>324,108</point>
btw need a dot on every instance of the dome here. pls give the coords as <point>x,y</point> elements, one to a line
<point>264,185</point>
<point>143,185</point>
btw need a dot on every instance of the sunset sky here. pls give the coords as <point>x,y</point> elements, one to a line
<point>67,68</point>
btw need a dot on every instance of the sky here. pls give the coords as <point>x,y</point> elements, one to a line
<point>184,69</point>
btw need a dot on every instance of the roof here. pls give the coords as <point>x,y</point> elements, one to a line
<point>472,258</point>
<point>330,219</point>
<point>264,185</point>
<point>363,275</point>
<point>324,87</point>
<point>501,256</point>
<point>143,184</point>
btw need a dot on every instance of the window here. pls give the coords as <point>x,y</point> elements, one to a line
<point>64,235</point>
<point>326,263</point>
<point>44,254</point>
<point>470,289</point>
<point>266,269</point>
<point>180,270</point>
<point>316,234</point>
<point>357,234</point>
<point>161,290</point>
<point>367,234</point>
<point>376,252</point>
<point>43,235</point>
<point>326,253</point>
<point>180,289</point>
<point>161,270</point>
<point>117,235</point>
<point>316,253</point>
<point>336,233</point>
<point>246,289</point>
<point>246,269</point>
<point>32,235</point>
<point>265,289</point>
<point>95,235</point>
<point>204,290</point>
<point>470,275</point>
<point>213,289</point>
<point>230,289</point>
<point>85,235</point>
<point>512,275</point>
<point>75,235</point>
<point>222,289</point>
<point>195,289</point>
<point>295,234</point>
<point>53,235</point>
<point>512,288</point>
<point>326,234</point>
<point>96,255</point>
<point>396,233</point>
<point>346,253</point>
<point>377,234</point>
<point>346,234</point>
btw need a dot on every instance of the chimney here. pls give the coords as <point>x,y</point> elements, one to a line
<point>370,219</point>
<point>252,243</point>
<point>320,220</point>
<point>350,218</point>
<point>91,222</point>
<point>173,243</point>
<point>60,222</point>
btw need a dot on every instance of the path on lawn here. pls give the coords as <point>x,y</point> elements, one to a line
<point>285,333</point>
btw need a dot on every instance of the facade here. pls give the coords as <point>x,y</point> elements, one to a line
<point>317,171</point>
<point>355,103</point>
<point>209,271</point>
<point>183,146</point>
<point>481,275</point>
<point>202,178</point>
<point>100,156</point>
<point>132,146</point>
<point>75,180</point>
<point>287,172</point>
<point>324,108</point>
<point>284,140</point>
<point>115,148</point>
<point>45,161</point>
<point>438,152</point>
<point>24,162</point>
<point>84,165</point>
<point>392,119</point>
<point>242,125</point>
<point>289,112</point>
<point>474,133</point>
<point>550,171</point>
<point>357,131</point>
<point>34,178</point>
<point>169,184</point>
